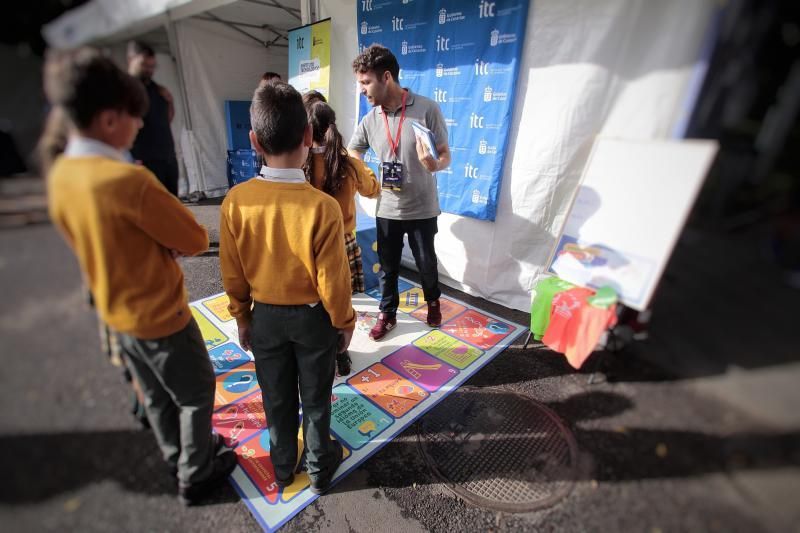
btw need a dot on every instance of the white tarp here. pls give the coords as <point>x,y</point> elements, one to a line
<point>105,20</point>
<point>218,65</point>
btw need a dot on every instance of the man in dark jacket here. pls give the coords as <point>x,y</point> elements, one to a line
<point>154,146</point>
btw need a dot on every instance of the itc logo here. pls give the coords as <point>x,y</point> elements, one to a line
<point>366,5</point>
<point>481,68</point>
<point>485,9</point>
<point>439,95</point>
<point>442,43</point>
<point>301,43</point>
<point>475,121</point>
<point>470,171</point>
<point>397,24</point>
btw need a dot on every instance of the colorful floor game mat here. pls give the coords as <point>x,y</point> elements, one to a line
<point>393,382</point>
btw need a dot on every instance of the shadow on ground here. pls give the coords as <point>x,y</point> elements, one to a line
<point>38,467</point>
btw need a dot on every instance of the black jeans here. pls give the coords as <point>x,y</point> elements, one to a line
<point>390,248</point>
<point>295,347</point>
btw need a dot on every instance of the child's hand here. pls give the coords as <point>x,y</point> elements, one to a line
<point>345,336</point>
<point>244,337</point>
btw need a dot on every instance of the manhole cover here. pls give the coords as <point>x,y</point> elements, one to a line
<point>498,449</point>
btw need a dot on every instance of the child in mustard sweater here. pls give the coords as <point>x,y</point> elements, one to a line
<point>331,170</point>
<point>126,230</point>
<point>286,274</point>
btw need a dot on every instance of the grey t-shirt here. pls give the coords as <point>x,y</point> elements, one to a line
<point>419,197</point>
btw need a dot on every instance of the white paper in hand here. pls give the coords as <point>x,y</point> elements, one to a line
<point>428,139</point>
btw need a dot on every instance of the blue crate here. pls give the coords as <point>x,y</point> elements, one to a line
<point>237,124</point>
<point>242,165</point>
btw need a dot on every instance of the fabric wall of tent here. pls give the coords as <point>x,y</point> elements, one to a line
<point>623,68</point>
<point>209,51</point>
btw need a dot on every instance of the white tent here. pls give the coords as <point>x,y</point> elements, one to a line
<point>215,50</point>
<point>622,68</point>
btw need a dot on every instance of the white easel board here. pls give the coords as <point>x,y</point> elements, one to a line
<point>628,212</point>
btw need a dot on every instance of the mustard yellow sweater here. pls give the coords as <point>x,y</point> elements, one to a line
<point>361,179</point>
<point>121,223</point>
<point>283,244</point>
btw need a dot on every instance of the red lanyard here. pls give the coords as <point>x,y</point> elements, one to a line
<point>395,143</point>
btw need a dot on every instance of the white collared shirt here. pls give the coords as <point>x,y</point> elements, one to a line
<point>78,146</point>
<point>282,175</point>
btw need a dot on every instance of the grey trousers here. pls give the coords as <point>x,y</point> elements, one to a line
<point>295,348</point>
<point>177,380</point>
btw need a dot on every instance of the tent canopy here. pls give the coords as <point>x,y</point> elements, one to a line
<point>109,21</point>
<point>215,50</point>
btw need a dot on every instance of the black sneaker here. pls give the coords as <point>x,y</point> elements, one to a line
<point>322,483</point>
<point>218,442</point>
<point>343,363</point>
<point>194,493</point>
<point>284,482</point>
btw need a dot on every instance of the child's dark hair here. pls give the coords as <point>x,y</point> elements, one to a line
<point>311,97</point>
<point>270,76</point>
<point>337,163</point>
<point>278,117</point>
<point>84,82</point>
<point>377,59</point>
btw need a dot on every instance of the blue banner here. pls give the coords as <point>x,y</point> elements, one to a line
<point>463,54</point>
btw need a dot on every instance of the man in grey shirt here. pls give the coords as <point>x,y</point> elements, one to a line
<point>409,201</point>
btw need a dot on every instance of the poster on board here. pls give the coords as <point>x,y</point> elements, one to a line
<point>628,213</point>
<point>310,57</point>
<point>464,56</point>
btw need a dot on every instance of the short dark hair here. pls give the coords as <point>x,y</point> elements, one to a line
<point>269,76</point>
<point>84,82</point>
<point>377,59</point>
<point>312,97</point>
<point>136,48</point>
<point>278,117</point>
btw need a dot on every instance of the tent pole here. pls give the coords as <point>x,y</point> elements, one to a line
<point>175,50</point>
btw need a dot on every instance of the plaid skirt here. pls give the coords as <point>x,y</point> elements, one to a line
<point>354,257</point>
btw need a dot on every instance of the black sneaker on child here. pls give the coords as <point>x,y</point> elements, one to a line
<point>321,483</point>
<point>343,363</point>
<point>224,464</point>
<point>284,482</point>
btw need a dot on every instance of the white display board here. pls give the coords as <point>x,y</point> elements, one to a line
<point>628,212</point>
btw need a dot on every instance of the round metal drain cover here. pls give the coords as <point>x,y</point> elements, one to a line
<point>498,449</point>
